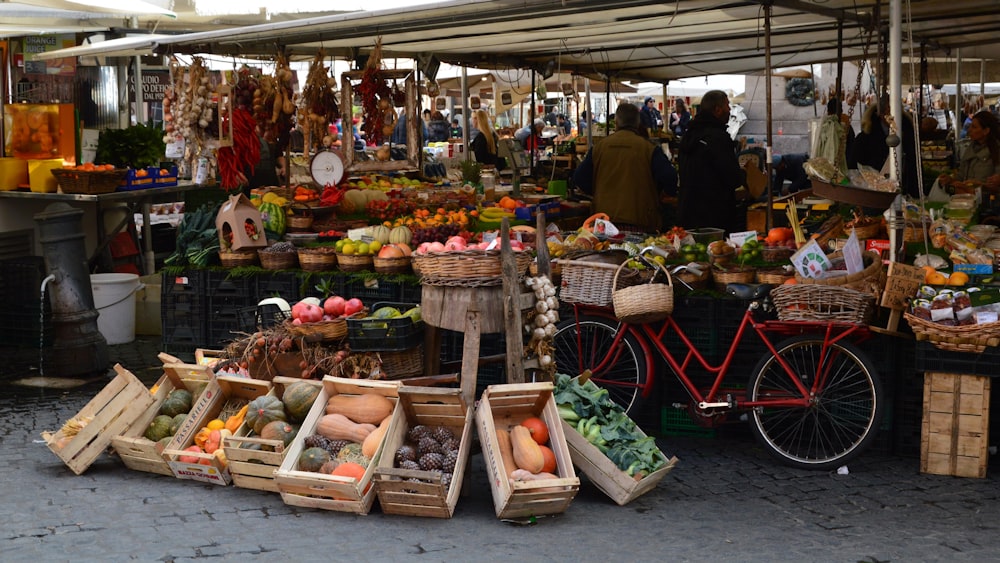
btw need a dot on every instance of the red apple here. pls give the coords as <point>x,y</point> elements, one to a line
<point>353,305</point>
<point>334,306</point>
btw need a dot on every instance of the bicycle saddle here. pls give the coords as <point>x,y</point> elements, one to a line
<point>751,291</point>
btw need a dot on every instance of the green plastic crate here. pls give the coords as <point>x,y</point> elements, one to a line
<point>677,422</point>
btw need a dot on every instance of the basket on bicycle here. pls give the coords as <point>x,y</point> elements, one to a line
<point>645,303</point>
<point>802,302</point>
<point>590,283</point>
<point>732,275</point>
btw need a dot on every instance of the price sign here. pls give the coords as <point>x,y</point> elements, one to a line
<point>902,283</point>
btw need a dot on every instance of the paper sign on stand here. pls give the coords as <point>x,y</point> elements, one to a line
<point>810,261</point>
<point>902,283</point>
<point>852,254</point>
<point>739,238</point>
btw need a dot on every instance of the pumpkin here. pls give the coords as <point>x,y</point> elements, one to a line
<point>366,408</point>
<point>350,469</point>
<point>279,430</point>
<point>527,454</point>
<point>273,217</point>
<point>159,428</point>
<point>162,444</point>
<point>298,399</point>
<point>264,409</point>
<point>506,451</point>
<point>312,459</point>
<point>353,201</point>
<point>400,235</point>
<point>539,431</point>
<point>234,422</point>
<point>190,458</point>
<point>214,441</point>
<point>339,427</point>
<point>370,445</point>
<point>550,459</point>
<point>329,466</point>
<point>175,425</point>
<point>177,402</point>
<point>380,233</point>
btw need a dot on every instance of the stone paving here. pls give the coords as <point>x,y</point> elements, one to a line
<point>725,501</point>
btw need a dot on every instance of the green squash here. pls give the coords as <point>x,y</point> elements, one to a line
<point>262,410</point>
<point>298,399</point>
<point>177,422</point>
<point>312,459</point>
<point>281,431</point>
<point>177,402</point>
<point>159,428</point>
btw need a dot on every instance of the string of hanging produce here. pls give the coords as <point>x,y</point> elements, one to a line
<point>376,99</point>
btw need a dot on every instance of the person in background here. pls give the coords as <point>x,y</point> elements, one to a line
<point>564,125</point>
<point>531,135</point>
<point>627,175</point>
<point>438,128</point>
<point>651,117</point>
<point>789,167</point>
<point>680,119</point>
<point>270,168</point>
<point>456,130</point>
<point>870,149</point>
<point>426,114</point>
<point>484,145</point>
<point>713,186</point>
<point>399,131</point>
<point>981,159</point>
<point>581,128</point>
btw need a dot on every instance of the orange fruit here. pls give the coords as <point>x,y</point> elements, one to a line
<point>958,278</point>
<point>937,278</point>
<point>790,281</point>
<point>928,272</point>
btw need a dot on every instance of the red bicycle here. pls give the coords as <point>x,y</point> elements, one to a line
<point>814,400</point>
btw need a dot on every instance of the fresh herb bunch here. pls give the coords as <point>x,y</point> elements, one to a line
<point>136,147</point>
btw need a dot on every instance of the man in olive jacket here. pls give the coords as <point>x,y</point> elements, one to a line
<point>627,175</point>
<point>712,182</point>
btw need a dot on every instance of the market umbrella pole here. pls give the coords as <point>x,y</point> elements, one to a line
<point>768,221</point>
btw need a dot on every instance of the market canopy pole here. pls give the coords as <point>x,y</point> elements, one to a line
<point>896,108</point>
<point>768,221</point>
<point>140,113</point>
<point>959,98</point>
<point>466,114</point>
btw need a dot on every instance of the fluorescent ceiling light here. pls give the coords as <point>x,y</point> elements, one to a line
<point>126,7</point>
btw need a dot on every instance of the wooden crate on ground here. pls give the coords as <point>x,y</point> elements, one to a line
<point>133,448</point>
<point>330,492</point>
<point>603,472</point>
<point>254,468</point>
<point>505,406</point>
<point>113,411</point>
<point>209,468</point>
<point>954,435</point>
<point>431,407</point>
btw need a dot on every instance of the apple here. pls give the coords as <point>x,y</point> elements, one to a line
<point>353,305</point>
<point>334,305</point>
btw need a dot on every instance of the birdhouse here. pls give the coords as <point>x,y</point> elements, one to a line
<point>240,225</point>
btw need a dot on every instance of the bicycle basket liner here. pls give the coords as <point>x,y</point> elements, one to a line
<point>966,338</point>
<point>803,302</point>
<point>870,280</point>
<point>644,303</point>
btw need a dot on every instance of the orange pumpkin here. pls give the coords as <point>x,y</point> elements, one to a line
<point>550,459</point>
<point>539,431</point>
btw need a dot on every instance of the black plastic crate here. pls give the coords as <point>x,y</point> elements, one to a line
<point>26,327</point>
<point>372,290</point>
<point>385,335</point>
<point>183,292</point>
<point>179,323</point>
<point>287,285</point>
<point>250,319</point>
<point>182,339</point>
<point>21,279</point>
<point>223,330</point>
<point>929,358</point>
<point>221,284</point>
<point>411,292</point>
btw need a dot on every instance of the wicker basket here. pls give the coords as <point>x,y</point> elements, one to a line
<point>696,281</point>
<point>800,302</point>
<point>317,258</point>
<point>400,265</point>
<point>354,262</point>
<point>870,230</point>
<point>967,338</point>
<point>89,182</point>
<point>405,363</point>
<point>590,283</point>
<point>733,275</point>
<point>870,280</point>
<point>914,232</point>
<point>777,276</point>
<point>324,330</point>
<point>301,219</point>
<point>238,258</point>
<point>776,253</point>
<point>644,303</point>
<point>278,260</point>
<point>468,268</point>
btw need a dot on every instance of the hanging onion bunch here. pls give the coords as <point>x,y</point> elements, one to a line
<point>542,325</point>
<point>318,103</point>
<point>246,85</point>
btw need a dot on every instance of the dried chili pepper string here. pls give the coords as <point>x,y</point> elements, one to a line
<point>244,154</point>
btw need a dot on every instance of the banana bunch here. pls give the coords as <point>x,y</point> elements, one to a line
<point>74,425</point>
<point>492,215</point>
<point>556,249</point>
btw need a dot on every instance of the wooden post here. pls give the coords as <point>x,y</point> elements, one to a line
<point>542,254</point>
<point>511,309</point>
<point>470,356</point>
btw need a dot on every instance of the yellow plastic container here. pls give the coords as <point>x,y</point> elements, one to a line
<point>13,172</point>
<point>40,175</point>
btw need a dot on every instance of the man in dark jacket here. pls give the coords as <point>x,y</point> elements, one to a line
<point>627,175</point>
<point>789,167</point>
<point>713,186</point>
<point>651,117</point>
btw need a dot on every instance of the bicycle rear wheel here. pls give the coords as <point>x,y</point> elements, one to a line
<point>620,368</point>
<point>843,417</point>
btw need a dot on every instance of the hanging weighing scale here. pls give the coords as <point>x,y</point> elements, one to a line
<point>327,168</point>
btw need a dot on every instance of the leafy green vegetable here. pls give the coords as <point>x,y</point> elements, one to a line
<point>137,147</point>
<point>197,238</point>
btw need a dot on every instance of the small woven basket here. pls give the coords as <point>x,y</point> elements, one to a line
<point>468,268</point>
<point>696,281</point>
<point>301,219</point>
<point>870,280</point>
<point>238,258</point>
<point>405,363</point>
<point>777,276</point>
<point>967,338</point>
<point>733,275</point>
<point>867,231</point>
<point>914,232</point>
<point>776,253</point>
<point>354,262</point>
<point>278,260</point>
<point>325,330</point>
<point>799,302</point>
<point>400,265</point>
<point>644,303</point>
<point>317,259</point>
<point>89,182</point>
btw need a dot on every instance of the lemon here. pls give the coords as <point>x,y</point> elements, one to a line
<point>363,249</point>
<point>349,248</point>
<point>340,245</point>
<point>374,247</point>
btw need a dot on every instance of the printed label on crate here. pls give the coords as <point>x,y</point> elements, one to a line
<point>202,473</point>
<point>879,245</point>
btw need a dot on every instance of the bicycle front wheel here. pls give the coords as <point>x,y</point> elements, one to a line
<point>620,368</point>
<point>843,416</point>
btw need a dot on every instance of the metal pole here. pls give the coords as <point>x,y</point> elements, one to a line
<point>770,139</point>
<point>140,111</point>
<point>531,121</point>
<point>590,114</point>
<point>896,108</point>
<point>840,60</point>
<point>466,113</point>
<point>959,98</point>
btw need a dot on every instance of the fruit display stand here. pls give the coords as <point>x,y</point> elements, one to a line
<point>398,492</point>
<point>112,412</point>
<point>133,448</point>
<point>209,468</point>
<point>504,406</point>
<point>330,492</point>
<point>254,468</point>
<point>603,473</point>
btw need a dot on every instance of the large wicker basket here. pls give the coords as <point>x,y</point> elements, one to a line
<point>723,278</point>
<point>334,330</point>
<point>695,280</point>
<point>402,364</point>
<point>238,258</point>
<point>89,182</point>
<point>643,303</point>
<point>776,276</point>
<point>870,280</point>
<point>468,268</point>
<point>301,219</point>
<point>354,262</point>
<point>590,283</point>
<point>399,265</point>
<point>967,338</point>
<point>800,302</point>
<point>278,260</point>
<point>317,258</point>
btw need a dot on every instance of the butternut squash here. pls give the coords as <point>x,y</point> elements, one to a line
<point>367,408</point>
<point>527,454</point>
<point>506,451</point>
<point>339,427</point>
<point>371,443</point>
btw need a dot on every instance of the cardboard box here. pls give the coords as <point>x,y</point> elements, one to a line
<point>329,492</point>
<point>147,306</point>
<point>504,406</point>
<point>954,436</point>
<point>397,493</point>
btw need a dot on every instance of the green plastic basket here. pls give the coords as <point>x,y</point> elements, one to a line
<point>677,422</point>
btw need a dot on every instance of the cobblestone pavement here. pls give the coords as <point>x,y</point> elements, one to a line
<point>725,501</point>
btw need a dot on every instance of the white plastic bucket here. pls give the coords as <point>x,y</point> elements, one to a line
<point>114,299</point>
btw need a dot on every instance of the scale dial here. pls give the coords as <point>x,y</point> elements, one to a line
<point>327,168</point>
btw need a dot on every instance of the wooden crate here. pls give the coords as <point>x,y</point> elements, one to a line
<point>429,406</point>
<point>329,492</point>
<point>254,469</point>
<point>955,433</point>
<point>505,406</point>
<point>603,472</point>
<point>112,412</point>
<point>209,468</point>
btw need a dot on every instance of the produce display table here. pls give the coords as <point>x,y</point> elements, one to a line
<point>134,199</point>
